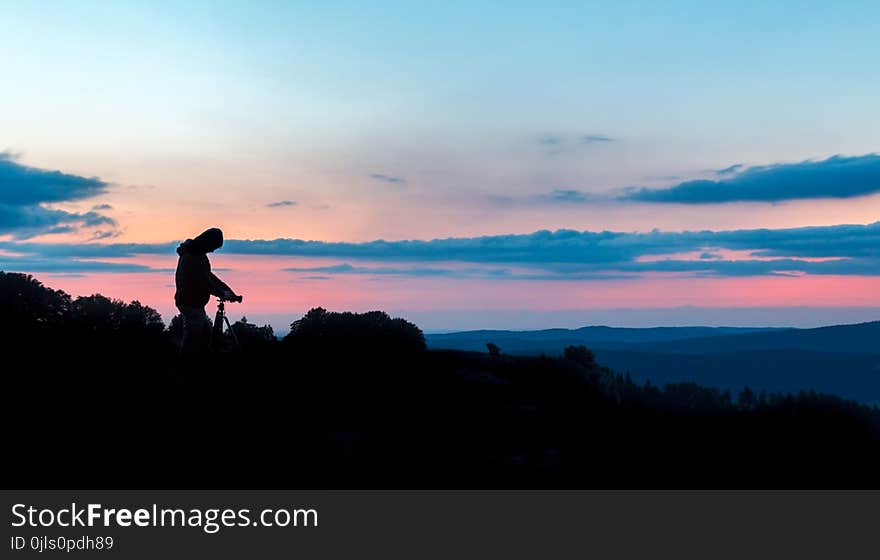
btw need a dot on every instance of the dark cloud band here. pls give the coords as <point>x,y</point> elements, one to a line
<point>24,190</point>
<point>835,177</point>
<point>562,254</point>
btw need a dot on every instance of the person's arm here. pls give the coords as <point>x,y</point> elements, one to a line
<point>219,288</point>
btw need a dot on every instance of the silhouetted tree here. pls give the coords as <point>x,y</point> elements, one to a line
<point>746,399</point>
<point>580,355</point>
<point>136,316</point>
<point>25,303</point>
<point>372,329</point>
<point>494,350</point>
<point>100,313</point>
<point>251,337</point>
<point>726,398</point>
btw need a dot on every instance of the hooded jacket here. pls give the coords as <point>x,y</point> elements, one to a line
<point>194,280</point>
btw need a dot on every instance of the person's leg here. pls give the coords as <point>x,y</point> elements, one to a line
<point>196,330</point>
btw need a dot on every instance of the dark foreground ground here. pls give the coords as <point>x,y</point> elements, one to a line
<point>96,396</point>
<point>435,419</point>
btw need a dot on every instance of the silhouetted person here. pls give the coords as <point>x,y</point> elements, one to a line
<point>195,286</point>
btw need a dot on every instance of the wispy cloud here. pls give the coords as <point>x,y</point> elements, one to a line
<point>835,177</point>
<point>73,266</point>
<point>109,234</point>
<point>392,179</point>
<point>595,138</point>
<point>551,141</point>
<point>559,143</point>
<point>346,268</point>
<point>281,204</point>
<point>729,169</point>
<point>624,270</point>
<point>478,272</point>
<point>570,196</point>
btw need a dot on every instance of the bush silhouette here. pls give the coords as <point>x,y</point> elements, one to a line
<point>374,331</point>
<point>253,338</point>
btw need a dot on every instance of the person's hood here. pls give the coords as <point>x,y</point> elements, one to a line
<point>207,241</point>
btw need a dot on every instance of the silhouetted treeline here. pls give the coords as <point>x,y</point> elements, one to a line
<point>103,399</point>
<point>355,332</point>
<point>41,322</point>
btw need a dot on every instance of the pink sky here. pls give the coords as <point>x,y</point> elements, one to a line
<point>281,297</point>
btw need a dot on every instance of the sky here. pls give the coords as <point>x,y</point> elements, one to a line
<point>465,165</point>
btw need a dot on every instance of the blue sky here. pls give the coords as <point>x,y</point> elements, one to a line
<point>680,83</point>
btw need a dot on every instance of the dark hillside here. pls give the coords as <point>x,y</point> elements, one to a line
<point>354,400</point>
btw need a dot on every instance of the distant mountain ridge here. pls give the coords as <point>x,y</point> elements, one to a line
<point>555,340</point>
<point>860,337</point>
<point>838,359</point>
<point>857,338</point>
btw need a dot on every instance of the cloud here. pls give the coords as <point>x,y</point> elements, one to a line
<point>24,192</point>
<point>555,143</point>
<point>491,273</point>
<point>28,221</point>
<point>23,185</point>
<point>663,177</point>
<point>729,169</point>
<point>91,251</point>
<point>561,254</point>
<point>281,204</point>
<point>99,207</point>
<point>346,268</point>
<point>109,234</point>
<point>569,196</point>
<point>392,179</point>
<point>627,270</point>
<point>550,141</point>
<point>70,266</point>
<point>594,138</point>
<point>835,177</point>
<point>540,246</point>
<point>600,271</point>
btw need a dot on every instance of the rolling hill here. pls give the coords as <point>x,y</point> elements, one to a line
<point>839,359</point>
